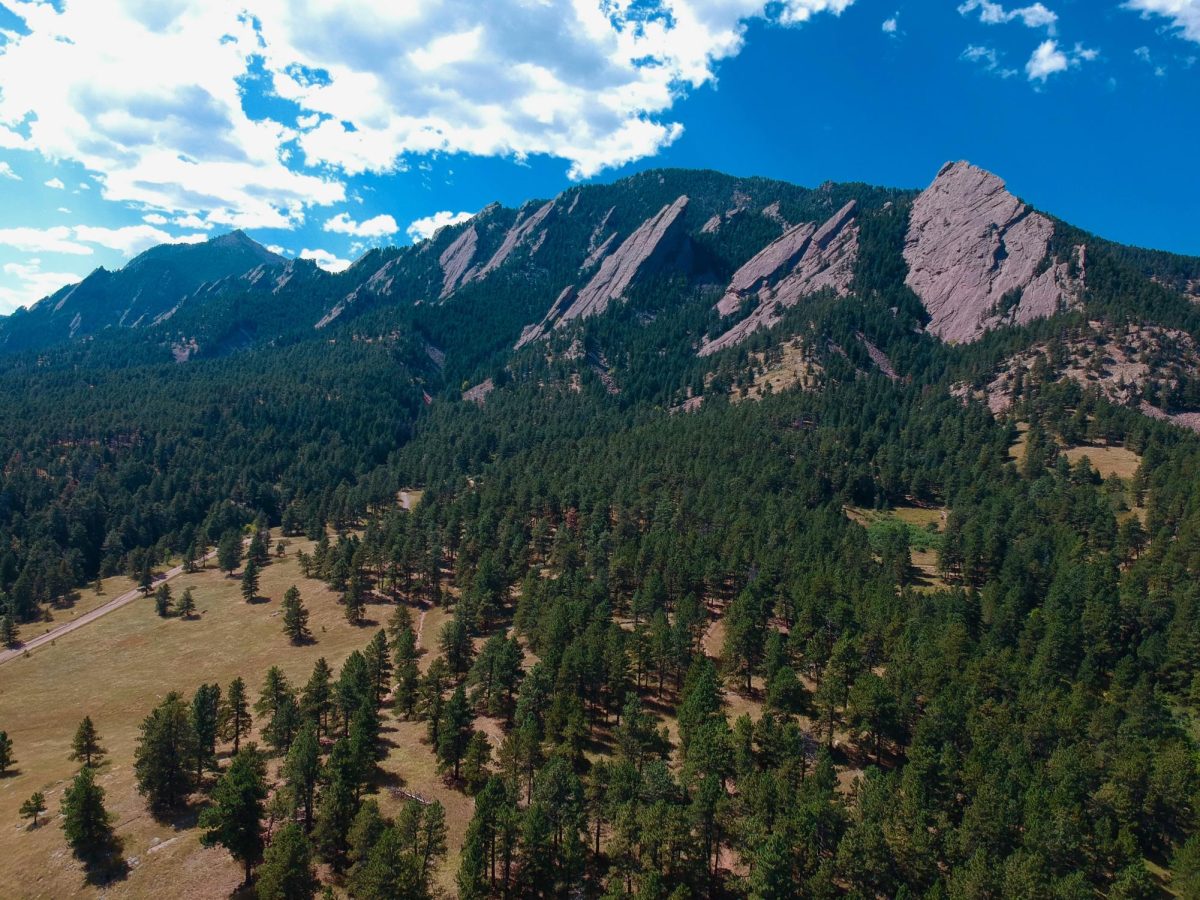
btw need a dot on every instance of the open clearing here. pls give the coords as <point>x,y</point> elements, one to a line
<point>1108,461</point>
<point>925,525</point>
<point>115,670</point>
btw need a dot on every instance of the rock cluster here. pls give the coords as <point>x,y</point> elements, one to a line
<point>659,241</point>
<point>979,258</point>
<point>804,260</point>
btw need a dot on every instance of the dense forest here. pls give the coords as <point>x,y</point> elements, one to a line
<point>1016,719</point>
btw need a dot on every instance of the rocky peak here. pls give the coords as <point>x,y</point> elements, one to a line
<point>979,258</point>
<point>660,240</point>
<point>804,260</point>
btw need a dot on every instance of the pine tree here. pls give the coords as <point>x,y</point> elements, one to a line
<point>284,723</point>
<point>6,753</point>
<point>229,552</point>
<point>257,550</point>
<point>33,807</point>
<point>250,580</point>
<point>186,606</point>
<point>316,697</point>
<point>295,617</point>
<point>379,664</point>
<point>336,806</point>
<point>85,746</point>
<point>234,820</point>
<point>235,714</point>
<point>86,823</point>
<point>354,607</point>
<point>162,600</point>
<point>455,732</point>
<point>302,770</point>
<point>165,753</point>
<point>408,673</point>
<point>206,721</point>
<point>286,872</point>
<point>8,631</point>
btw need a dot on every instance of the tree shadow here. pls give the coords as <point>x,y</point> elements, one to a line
<point>107,865</point>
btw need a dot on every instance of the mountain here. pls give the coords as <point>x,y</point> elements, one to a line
<point>733,539</point>
<point>142,293</point>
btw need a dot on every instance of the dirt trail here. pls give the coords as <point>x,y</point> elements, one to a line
<point>87,618</point>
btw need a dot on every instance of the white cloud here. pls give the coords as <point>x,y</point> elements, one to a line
<point>63,209</point>
<point>6,171</point>
<point>1184,14</point>
<point>55,184</point>
<point>26,283</point>
<point>379,226</point>
<point>129,240</point>
<point>58,239</point>
<point>989,59</point>
<point>1036,15</point>
<point>163,127</point>
<point>325,260</point>
<point>892,25</point>
<point>1048,59</point>
<point>427,227</point>
<point>587,81</point>
<point>132,239</point>
<point>155,219</point>
<point>278,250</point>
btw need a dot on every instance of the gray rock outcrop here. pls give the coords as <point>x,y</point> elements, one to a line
<point>804,260</point>
<point>659,240</point>
<point>979,258</point>
<point>456,260</point>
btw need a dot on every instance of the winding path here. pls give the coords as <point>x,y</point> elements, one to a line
<point>67,627</point>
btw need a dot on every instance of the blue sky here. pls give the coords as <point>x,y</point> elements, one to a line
<point>323,127</point>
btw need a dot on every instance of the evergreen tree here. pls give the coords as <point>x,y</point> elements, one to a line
<point>455,733</point>
<point>162,600</point>
<point>258,548</point>
<point>302,770</point>
<point>408,673</point>
<point>295,617</point>
<point>9,633</point>
<point>379,665</point>
<point>186,605</point>
<point>6,753</point>
<point>85,746</point>
<point>229,552</point>
<point>166,751</point>
<point>234,820</point>
<point>337,805</point>
<point>286,872</point>
<point>86,823</point>
<point>316,699</point>
<point>236,721</point>
<point>33,807</point>
<point>250,580</point>
<point>206,721</point>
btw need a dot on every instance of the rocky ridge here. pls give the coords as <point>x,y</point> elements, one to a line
<point>804,260</point>
<point>979,258</point>
<point>659,240</point>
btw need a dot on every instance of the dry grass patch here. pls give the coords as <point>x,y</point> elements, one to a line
<point>116,670</point>
<point>1108,461</point>
<point>795,367</point>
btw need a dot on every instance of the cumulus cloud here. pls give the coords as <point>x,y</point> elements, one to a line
<point>590,82</point>
<point>892,25</point>
<point>56,184</point>
<point>6,171</point>
<point>426,227</point>
<point>1036,15</point>
<point>26,283</point>
<point>1184,14</point>
<point>1049,59</point>
<point>988,58</point>
<point>77,240</point>
<point>379,226</point>
<point>326,260</point>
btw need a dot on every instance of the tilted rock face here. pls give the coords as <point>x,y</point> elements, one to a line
<point>659,239</point>
<point>803,261</point>
<point>456,260</point>
<point>979,258</point>
<point>516,236</point>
